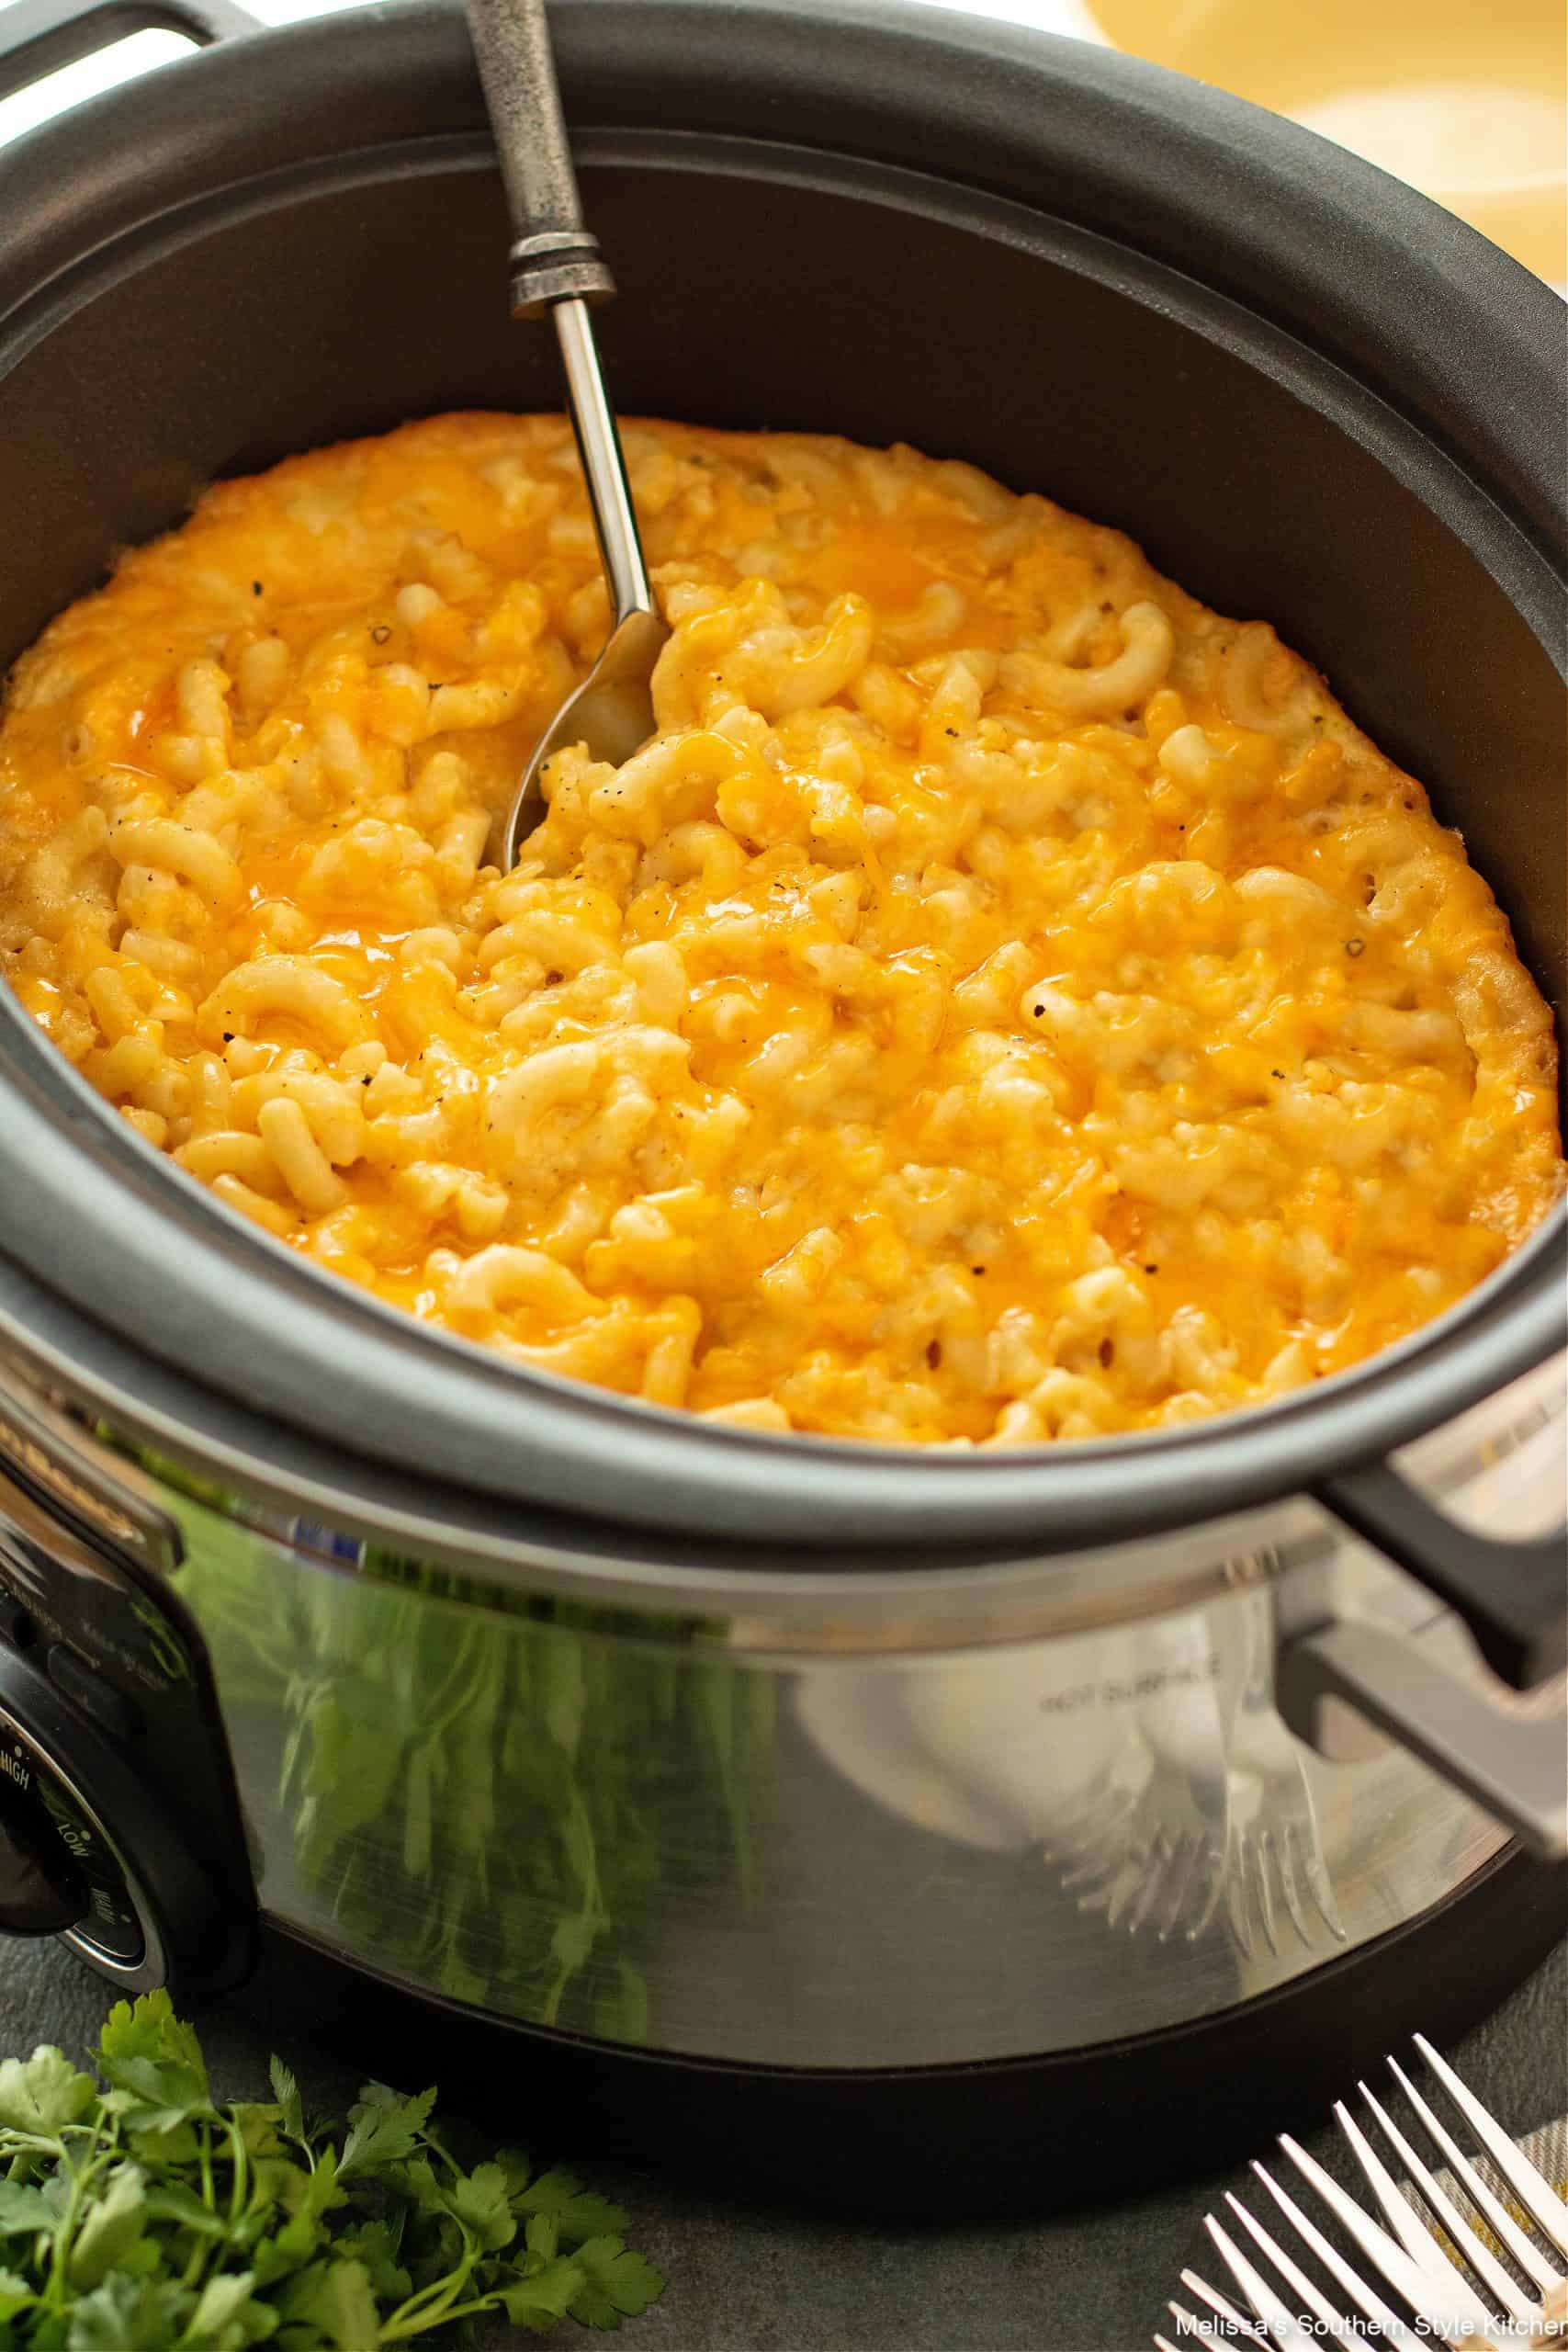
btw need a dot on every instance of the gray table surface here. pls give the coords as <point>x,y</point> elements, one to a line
<point>743,2279</point>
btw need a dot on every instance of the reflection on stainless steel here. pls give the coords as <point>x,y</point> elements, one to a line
<point>1221,1813</point>
<point>1147,1858</point>
<point>620,1825</point>
<point>1148,1850</point>
<point>1199,1811</point>
<point>1273,1855</point>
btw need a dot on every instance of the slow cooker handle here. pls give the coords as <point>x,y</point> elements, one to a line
<point>38,36</point>
<point>1508,1755</point>
<point>1513,1595</point>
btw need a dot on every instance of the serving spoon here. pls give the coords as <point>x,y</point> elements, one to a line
<point>556,267</point>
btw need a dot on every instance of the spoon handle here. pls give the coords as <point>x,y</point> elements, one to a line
<point>604,467</point>
<point>556,264</point>
<point>554,257</point>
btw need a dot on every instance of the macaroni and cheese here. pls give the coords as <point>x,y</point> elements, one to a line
<point>1005,1001</point>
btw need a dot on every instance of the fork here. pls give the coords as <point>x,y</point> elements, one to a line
<point>1146,1848</point>
<point>1275,1856</point>
<point>1176,1825</point>
<point>1454,2286</point>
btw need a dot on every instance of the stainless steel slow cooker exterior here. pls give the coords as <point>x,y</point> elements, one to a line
<point>770,1757</point>
<point>856,1819</point>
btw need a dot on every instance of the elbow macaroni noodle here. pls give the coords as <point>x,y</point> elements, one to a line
<point>1005,1001</point>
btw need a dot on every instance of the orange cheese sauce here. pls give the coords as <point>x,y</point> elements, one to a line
<point>1004,1003</point>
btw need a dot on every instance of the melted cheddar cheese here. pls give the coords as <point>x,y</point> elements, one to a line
<point>1005,1001</point>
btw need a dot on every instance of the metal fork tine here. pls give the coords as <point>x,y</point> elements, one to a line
<point>1094,1870</point>
<point>1418,2242</point>
<point>1285,1856</point>
<point>1237,1886</point>
<point>1366,2299</point>
<point>1322,1891</point>
<point>1507,2231</point>
<point>1540,2201</point>
<point>1277,2317</point>
<point>1451,2308</point>
<point>1124,1888</point>
<point>1164,1867</point>
<point>1173,1894</point>
<point>1461,2237</point>
<point>1190,2325</point>
<point>1265,1890</point>
<point>1432,2254</point>
<point>1222,2310</point>
<point>1291,2272</point>
<point>1215,1886</point>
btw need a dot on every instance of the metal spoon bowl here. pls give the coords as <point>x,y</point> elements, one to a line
<point>555,266</point>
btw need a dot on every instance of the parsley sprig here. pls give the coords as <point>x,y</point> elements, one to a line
<point>137,2215</point>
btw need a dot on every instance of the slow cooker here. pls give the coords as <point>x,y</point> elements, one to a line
<point>859,1799</point>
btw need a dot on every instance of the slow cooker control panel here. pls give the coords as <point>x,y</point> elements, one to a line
<point>119,1829</point>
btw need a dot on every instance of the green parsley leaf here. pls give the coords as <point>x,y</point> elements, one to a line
<point>138,2216</point>
<point>126,2314</point>
<point>285,2091</point>
<point>386,2126</point>
<point>335,2297</point>
<point>416,2180</point>
<point>215,2320</point>
<point>114,2222</point>
<point>539,2302</point>
<point>576,2211</point>
<point>376,2246</point>
<point>618,2283</point>
<point>44,2093</point>
<point>15,2294</point>
<point>171,2200</point>
<point>23,2209</point>
<point>277,2258</point>
<point>152,2063</point>
<point>257,2127</point>
<point>482,2201</point>
<point>150,2032</point>
<point>156,2143</point>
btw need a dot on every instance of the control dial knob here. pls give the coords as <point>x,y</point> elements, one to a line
<point>86,1850</point>
<point>42,1890</point>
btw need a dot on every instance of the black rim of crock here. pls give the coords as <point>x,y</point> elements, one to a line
<point>1135,152</point>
